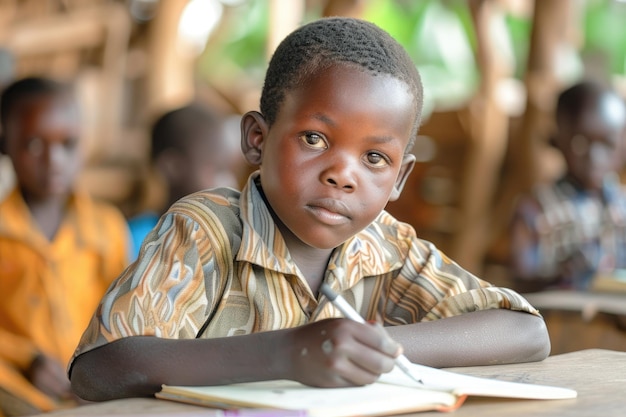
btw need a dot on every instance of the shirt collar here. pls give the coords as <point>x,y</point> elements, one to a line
<point>376,250</point>
<point>17,223</point>
<point>261,241</point>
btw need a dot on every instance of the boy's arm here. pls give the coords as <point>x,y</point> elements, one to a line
<point>21,356</point>
<point>485,337</point>
<point>328,353</point>
<point>458,319</point>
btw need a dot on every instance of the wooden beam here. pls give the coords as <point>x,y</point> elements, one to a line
<point>488,136</point>
<point>170,79</point>
<point>284,17</point>
<point>552,28</point>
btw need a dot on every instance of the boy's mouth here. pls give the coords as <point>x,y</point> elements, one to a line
<point>329,211</point>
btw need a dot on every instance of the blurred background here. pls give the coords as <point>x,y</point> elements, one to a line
<point>491,70</point>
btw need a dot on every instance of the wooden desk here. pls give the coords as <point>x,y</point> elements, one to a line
<point>598,376</point>
<point>583,320</point>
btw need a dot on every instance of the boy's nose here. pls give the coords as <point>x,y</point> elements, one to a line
<point>340,175</point>
<point>599,154</point>
<point>56,155</point>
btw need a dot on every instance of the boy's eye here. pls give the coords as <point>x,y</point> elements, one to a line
<point>376,159</point>
<point>35,146</point>
<point>313,140</point>
<point>70,144</point>
<point>579,145</point>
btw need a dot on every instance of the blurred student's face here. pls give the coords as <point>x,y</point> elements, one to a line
<point>42,140</point>
<point>212,159</point>
<point>336,154</point>
<point>593,144</point>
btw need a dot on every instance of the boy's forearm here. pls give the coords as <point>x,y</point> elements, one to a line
<point>137,366</point>
<point>480,338</point>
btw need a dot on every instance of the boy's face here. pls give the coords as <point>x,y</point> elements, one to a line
<point>211,159</point>
<point>593,144</point>
<point>42,141</point>
<point>336,153</point>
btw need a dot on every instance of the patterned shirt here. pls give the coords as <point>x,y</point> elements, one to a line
<point>186,282</point>
<point>573,223</point>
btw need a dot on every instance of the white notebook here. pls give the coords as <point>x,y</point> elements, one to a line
<point>394,393</point>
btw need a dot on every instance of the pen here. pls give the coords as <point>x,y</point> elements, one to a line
<point>402,361</point>
<point>249,412</point>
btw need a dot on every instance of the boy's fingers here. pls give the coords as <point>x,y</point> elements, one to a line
<point>380,340</point>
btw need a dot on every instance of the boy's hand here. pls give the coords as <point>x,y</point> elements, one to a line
<point>48,375</point>
<point>342,352</point>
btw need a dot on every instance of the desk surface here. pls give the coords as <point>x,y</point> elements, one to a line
<point>598,375</point>
<point>586,302</point>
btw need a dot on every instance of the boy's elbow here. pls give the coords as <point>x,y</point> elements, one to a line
<point>110,372</point>
<point>537,340</point>
<point>93,381</point>
<point>84,381</point>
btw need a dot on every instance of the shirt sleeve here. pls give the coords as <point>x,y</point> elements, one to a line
<point>169,291</point>
<point>118,254</point>
<point>431,286</point>
<point>530,259</point>
<point>17,350</point>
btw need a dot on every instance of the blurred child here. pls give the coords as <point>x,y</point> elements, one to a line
<point>192,149</point>
<point>566,232</point>
<point>226,287</point>
<point>59,249</point>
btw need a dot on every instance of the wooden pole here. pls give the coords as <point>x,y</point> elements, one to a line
<point>488,136</point>
<point>170,78</point>
<point>552,21</point>
<point>284,17</point>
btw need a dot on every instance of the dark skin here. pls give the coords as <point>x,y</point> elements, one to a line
<point>49,375</point>
<point>41,138</point>
<point>593,143</point>
<point>345,132</point>
<point>207,159</point>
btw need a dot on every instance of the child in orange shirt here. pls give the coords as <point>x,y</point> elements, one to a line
<point>59,249</point>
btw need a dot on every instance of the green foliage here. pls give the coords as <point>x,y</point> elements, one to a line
<point>605,33</point>
<point>242,40</point>
<point>438,34</point>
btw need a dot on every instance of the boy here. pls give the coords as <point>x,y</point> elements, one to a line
<point>59,249</point>
<point>226,286</point>
<point>192,149</point>
<point>566,232</point>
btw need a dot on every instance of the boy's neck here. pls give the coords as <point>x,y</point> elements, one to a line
<point>580,187</point>
<point>47,213</point>
<point>312,262</point>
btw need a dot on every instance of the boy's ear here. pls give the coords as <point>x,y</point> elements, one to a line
<point>254,129</point>
<point>408,162</point>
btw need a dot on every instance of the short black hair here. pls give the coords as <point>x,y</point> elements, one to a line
<point>176,128</point>
<point>578,98</point>
<point>26,88</point>
<point>318,45</point>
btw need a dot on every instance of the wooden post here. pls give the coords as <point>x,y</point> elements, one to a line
<point>170,78</point>
<point>552,21</point>
<point>285,16</point>
<point>488,136</point>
